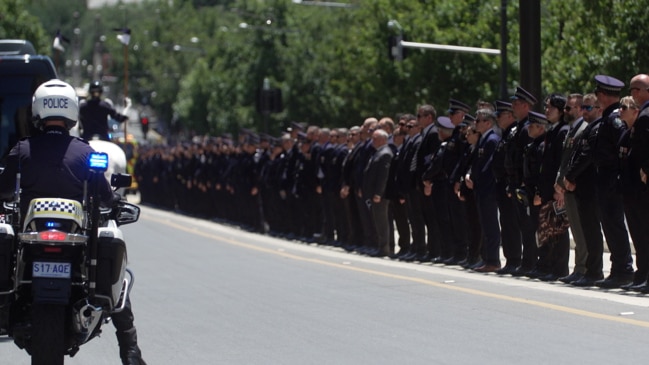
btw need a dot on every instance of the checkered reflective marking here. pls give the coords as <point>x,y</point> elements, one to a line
<point>55,206</point>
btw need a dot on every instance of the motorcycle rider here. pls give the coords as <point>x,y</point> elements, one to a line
<point>54,164</point>
<point>93,114</point>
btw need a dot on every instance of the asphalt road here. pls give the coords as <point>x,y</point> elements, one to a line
<point>206,293</point>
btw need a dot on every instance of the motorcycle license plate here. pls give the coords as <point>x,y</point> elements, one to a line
<point>60,270</point>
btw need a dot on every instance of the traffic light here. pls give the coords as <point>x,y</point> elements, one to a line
<point>395,49</point>
<point>144,123</point>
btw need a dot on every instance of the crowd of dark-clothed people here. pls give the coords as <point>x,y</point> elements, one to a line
<point>452,188</point>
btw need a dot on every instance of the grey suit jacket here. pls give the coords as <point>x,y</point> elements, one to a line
<point>375,176</point>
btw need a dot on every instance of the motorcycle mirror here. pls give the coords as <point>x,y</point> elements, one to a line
<point>127,213</point>
<point>120,180</point>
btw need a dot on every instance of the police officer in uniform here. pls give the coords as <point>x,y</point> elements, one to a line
<point>602,151</point>
<point>555,251</point>
<point>609,189</point>
<point>53,164</point>
<point>437,186</point>
<point>93,114</point>
<point>522,103</point>
<point>510,230</point>
<point>456,146</point>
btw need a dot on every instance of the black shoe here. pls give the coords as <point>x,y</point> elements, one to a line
<point>453,261</point>
<point>409,257</point>
<point>644,289</point>
<point>614,281</point>
<point>423,257</point>
<point>535,274</point>
<point>506,270</point>
<point>571,278</point>
<point>549,277</point>
<point>476,265</point>
<point>468,262</point>
<point>586,281</point>
<point>403,253</point>
<point>129,351</point>
<point>437,260</point>
<point>521,271</point>
<point>372,252</point>
<point>380,253</point>
<point>635,286</point>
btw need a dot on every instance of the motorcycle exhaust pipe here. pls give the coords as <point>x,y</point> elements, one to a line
<point>85,318</point>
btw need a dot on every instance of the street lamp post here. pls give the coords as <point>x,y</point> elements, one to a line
<point>329,4</point>
<point>265,108</point>
<point>441,47</point>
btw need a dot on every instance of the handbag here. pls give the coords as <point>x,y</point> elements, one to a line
<point>552,223</point>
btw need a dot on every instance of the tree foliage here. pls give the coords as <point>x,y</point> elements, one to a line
<point>17,23</point>
<point>200,63</point>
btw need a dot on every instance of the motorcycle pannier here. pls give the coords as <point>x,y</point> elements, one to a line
<point>111,263</point>
<point>6,256</point>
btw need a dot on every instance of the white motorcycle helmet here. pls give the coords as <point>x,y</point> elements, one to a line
<point>55,99</point>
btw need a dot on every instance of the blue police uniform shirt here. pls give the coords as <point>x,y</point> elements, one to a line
<point>52,164</point>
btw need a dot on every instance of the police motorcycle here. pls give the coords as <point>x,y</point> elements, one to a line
<point>64,271</point>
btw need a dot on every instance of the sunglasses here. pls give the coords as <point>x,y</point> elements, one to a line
<point>481,120</point>
<point>589,107</point>
<point>567,108</point>
<point>626,107</point>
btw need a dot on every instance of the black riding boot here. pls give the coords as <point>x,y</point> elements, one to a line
<point>129,352</point>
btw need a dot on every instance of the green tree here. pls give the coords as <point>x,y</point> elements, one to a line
<point>17,23</point>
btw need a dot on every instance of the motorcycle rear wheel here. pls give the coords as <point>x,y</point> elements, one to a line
<point>48,334</point>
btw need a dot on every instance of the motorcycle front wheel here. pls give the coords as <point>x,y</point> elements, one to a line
<point>48,334</point>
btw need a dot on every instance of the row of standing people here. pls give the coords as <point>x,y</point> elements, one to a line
<point>451,189</point>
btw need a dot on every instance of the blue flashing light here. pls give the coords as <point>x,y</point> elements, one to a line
<point>98,161</point>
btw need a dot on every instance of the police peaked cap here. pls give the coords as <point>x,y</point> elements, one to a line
<point>455,105</point>
<point>522,94</point>
<point>608,84</point>
<point>503,106</point>
<point>445,122</point>
<point>538,118</point>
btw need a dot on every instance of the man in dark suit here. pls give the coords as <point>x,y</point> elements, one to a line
<point>482,180</point>
<point>373,192</point>
<point>575,120</point>
<point>426,116</point>
<point>635,184</point>
<point>579,179</point>
<point>348,186</point>
<point>406,188</point>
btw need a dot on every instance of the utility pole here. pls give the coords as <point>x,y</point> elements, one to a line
<point>530,46</point>
<point>504,39</point>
